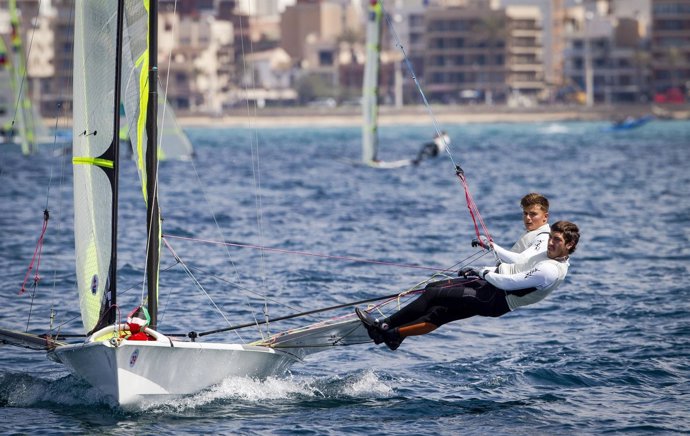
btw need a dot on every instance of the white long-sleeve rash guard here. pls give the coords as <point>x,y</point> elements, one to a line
<point>537,277</point>
<point>529,244</point>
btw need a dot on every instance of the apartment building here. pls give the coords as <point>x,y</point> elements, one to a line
<point>610,51</point>
<point>525,55</point>
<point>196,61</point>
<point>465,52</point>
<point>670,45</point>
<point>326,21</point>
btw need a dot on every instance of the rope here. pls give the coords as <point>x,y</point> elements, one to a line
<point>196,282</point>
<point>306,253</point>
<point>472,206</point>
<point>36,258</point>
<point>474,210</point>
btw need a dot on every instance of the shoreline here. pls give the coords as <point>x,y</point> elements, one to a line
<point>414,115</point>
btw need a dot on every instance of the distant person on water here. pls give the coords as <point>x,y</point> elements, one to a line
<point>433,148</point>
<point>535,216</point>
<point>487,291</point>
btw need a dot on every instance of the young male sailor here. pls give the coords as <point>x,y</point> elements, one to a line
<point>492,291</point>
<point>535,216</point>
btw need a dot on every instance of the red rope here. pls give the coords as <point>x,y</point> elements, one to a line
<point>37,255</point>
<point>472,207</point>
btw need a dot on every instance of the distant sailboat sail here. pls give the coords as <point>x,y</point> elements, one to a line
<point>6,95</point>
<point>21,123</point>
<point>370,87</point>
<point>370,92</point>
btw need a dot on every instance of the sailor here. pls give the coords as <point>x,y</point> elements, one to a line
<point>487,291</point>
<point>434,148</point>
<point>535,216</point>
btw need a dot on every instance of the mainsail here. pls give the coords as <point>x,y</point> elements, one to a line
<point>93,139</point>
<point>174,143</point>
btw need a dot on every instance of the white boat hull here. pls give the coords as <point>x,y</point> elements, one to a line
<point>133,372</point>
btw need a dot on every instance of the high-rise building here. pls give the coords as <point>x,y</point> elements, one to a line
<point>670,45</point>
<point>465,51</point>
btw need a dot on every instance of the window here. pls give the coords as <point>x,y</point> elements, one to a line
<point>325,58</point>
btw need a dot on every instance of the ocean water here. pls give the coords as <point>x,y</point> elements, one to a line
<point>608,352</point>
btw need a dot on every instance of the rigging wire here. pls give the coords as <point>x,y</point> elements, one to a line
<point>413,288</point>
<point>474,210</point>
<point>46,208</point>
<point>305,253</point>
<point>197,283</point>
<point>256,173</point>
<point>62,181</point>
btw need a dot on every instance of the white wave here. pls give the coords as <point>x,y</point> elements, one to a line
<point>368,384</point>
<point>552,129</point>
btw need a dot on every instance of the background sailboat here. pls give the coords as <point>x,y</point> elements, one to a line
<point>20,122</point>
<point>370,91</point>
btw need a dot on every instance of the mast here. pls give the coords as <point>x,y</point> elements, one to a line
<point>114,152</point>
<point>152,211</point>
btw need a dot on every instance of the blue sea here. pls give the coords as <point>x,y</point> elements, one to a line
<point>608,352</point>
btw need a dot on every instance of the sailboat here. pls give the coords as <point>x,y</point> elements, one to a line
<point>370,91</point>
<point>20,123</point>
<point>132,361</point>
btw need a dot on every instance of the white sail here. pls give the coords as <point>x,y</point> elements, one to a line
<point>135,66</point>
<point>174,143</point>
<point>93,134</point>
<point>370,92</point>
<point>370,87</point>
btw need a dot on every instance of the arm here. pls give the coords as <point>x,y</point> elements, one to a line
<point>543,274</point>
<point>537,246</point>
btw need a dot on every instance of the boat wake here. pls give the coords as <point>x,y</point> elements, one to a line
<point>277,392</point>
<point>25,390</point>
